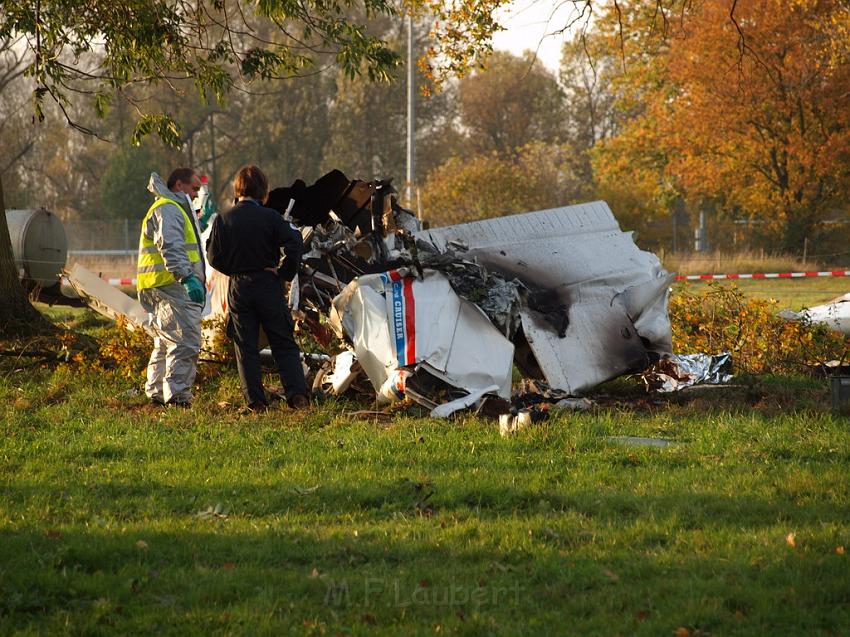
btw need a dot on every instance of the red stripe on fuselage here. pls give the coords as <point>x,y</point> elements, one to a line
<point>410,320</point>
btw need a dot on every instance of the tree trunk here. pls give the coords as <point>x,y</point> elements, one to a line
<point>17,315</point>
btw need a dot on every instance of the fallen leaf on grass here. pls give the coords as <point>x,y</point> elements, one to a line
<point>611,575</point>
<point>791,540</point>
<point>142,545</point>
<point>304,490</point>
<point>21,403</point>
<point>839,550</point>
<point>681,631</point>
<point>228,566</point>
<point>56,535</point>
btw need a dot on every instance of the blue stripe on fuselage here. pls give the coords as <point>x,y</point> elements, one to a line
<point>398,321</point>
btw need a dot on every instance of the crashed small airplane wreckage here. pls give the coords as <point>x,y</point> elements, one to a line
<point>442,315</point>
<point>835,314</point>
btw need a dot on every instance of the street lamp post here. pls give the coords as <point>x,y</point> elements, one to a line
<point>411,110</point>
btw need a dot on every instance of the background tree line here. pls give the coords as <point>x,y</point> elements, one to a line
<point>663,115</point>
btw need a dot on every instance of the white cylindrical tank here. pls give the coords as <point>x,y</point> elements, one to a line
<point>39,245</point>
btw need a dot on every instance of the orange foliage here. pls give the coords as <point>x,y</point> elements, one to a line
<point>122,351</point>
<point>488,185</point>
<point>750,113</point>
<point>762,118</point>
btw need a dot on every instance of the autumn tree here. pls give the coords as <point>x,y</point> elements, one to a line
<point>534,177</point>
<point>762,122</point>
<point>749,115</point>
<point>368,122</point>
<point>630,166</point>
<point>513,157</point>
<point>509,103</point>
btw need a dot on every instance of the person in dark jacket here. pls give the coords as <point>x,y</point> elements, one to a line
<point>245,244</point>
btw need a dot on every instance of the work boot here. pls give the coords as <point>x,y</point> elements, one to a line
<point>299,401</point>
<point>183,404</point>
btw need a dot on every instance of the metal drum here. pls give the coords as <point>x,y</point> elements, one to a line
<point>39,245</point>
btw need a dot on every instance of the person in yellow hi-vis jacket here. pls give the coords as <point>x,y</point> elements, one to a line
<point>171,278</point>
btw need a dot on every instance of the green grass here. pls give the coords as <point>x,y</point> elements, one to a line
<point>120,518</point>
<point>790,293</point>
<point>332,525</point>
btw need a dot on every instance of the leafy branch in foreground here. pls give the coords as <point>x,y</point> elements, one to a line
<point>104,49</point>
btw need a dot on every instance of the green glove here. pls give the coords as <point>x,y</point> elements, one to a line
<point>194,289</point>
<point>206,213</point>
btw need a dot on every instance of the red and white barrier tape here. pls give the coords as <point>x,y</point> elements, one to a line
<point>760,275</point>
<point>680,277</point>
<point>121,282</point>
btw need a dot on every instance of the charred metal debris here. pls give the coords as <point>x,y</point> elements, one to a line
<point>444,316</point>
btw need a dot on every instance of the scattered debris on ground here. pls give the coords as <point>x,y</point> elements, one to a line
<point>677,371</point>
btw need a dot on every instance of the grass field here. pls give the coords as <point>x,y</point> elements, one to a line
<point>790,293</point>
<point>120,518</point>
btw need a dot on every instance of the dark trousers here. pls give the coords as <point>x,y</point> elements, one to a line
<point>257,299</point>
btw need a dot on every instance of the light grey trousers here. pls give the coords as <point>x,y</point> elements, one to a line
<point>174,360</point>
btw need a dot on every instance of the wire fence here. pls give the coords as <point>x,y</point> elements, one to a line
<point>102,235</point>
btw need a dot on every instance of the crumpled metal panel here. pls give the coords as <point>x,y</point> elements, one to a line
<point>616,294</point>
<point>600,344</point>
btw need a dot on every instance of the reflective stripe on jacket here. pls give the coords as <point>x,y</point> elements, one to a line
<point>151,266</point>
